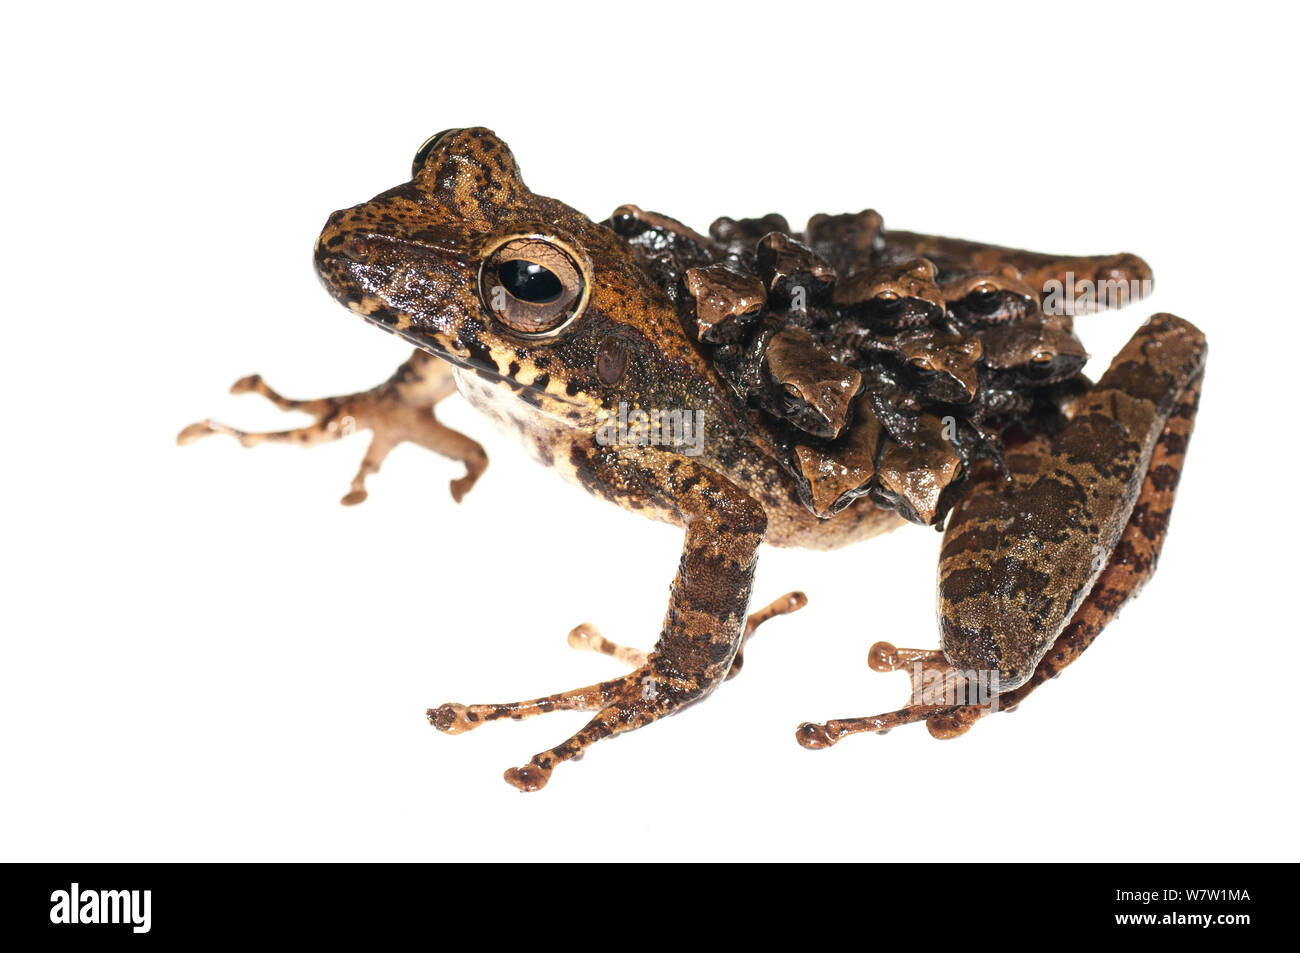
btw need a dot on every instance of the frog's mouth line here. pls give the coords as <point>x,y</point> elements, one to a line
<point>348,289</point>
<point>488,373</point>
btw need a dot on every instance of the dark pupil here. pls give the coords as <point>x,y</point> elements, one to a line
<point>983,302</point>
<point>529,281</point>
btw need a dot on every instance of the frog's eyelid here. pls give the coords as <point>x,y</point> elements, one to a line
<point>427,147</point>
<point>540,253</point>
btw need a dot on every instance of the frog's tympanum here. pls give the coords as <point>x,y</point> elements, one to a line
<point>760,384</point>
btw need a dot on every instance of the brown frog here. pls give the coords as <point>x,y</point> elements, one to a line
<point>725,384</point>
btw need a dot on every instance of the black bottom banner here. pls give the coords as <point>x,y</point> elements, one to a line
<point>142,903</point>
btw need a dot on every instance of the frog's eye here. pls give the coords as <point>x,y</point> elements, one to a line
<point>885,305</point>
<point>532,285</point>
<point>1042,365</point>
<point>983,299</point>
<point>429,145</point>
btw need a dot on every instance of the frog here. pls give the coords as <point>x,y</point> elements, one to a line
<point>839,382</point>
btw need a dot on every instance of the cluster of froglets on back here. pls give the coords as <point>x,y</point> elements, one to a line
<point>885,373</point>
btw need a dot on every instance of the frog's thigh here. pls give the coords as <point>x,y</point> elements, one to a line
<point>1020,556</point>
<point>1131,565</point>
<point>1163,365</point>
<point>702,629</point>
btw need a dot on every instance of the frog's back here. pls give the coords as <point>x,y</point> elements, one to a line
<point>884,366</point>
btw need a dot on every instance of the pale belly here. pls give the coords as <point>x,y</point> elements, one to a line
<point>548,438</point>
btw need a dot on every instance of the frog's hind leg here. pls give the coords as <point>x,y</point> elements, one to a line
<point>399,410</point>
<point>1129,565</point>
<point>1094,281</point>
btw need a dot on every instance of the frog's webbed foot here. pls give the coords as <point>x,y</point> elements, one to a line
<point>400,409</point>
<point>1130,432</point>
<point>936,687</point>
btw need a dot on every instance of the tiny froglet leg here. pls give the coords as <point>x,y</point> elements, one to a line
<point>1162,365</point>
<point>400,409</point>
<point>702,629</point>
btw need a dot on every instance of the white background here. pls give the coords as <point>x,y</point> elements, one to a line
<point>205,656</point>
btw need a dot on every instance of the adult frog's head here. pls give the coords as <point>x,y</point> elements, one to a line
<point>465,261</point>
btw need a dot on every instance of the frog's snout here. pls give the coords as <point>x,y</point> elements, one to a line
<point>396,231</point>
<point>389,262</point>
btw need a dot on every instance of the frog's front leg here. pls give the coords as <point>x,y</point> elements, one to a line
<point>586,637</point>
<point>702,629</point>
<point>400,409</point>
<point>1035,566</point>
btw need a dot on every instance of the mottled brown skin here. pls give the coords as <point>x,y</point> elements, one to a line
<point>1131,563</point>
<point>400,409</point>
<point>552,371</point>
